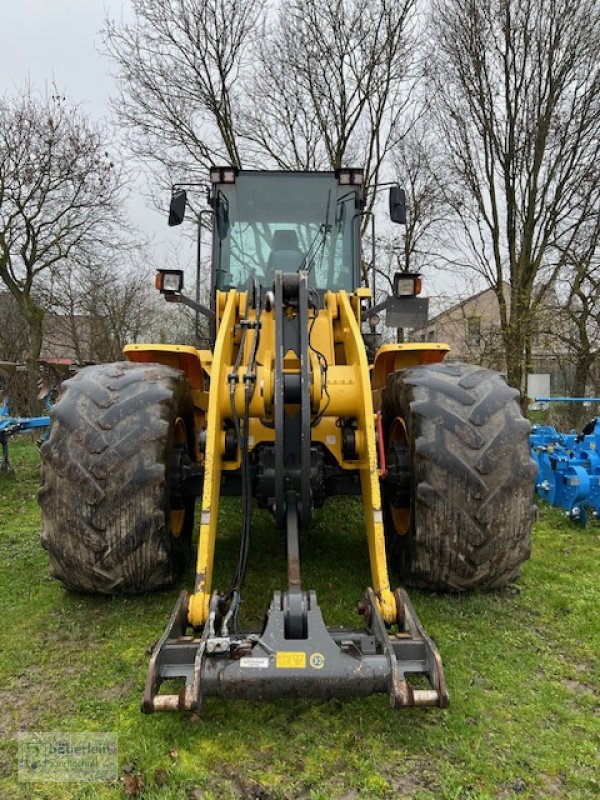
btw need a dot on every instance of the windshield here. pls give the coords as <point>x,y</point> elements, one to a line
<point>284,221</point>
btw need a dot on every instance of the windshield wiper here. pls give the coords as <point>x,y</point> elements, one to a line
<point>323,232</point>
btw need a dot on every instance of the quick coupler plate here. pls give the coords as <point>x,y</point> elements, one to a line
<point>328,662</point>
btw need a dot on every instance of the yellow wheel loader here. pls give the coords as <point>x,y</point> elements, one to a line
<point>291,403</point>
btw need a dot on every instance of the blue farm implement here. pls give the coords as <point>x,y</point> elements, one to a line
<point>9,425</point>
<point>569,468</point>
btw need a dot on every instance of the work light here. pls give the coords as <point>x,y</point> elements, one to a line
<point>407,284</point>
<point>169,281</point>
<point>223,174</point>
<point>349,176</point>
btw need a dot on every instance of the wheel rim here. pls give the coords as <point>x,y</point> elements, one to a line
<point>177,516</point>
<point>400,514</point>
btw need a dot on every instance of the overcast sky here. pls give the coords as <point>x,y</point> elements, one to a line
<point>56,40</point>
<point>46,41</point>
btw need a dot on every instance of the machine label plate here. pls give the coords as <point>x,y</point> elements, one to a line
<point>254,663</point>
<point>290,660</point>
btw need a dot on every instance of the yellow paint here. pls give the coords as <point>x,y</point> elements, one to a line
<point>290,660</point>
<point>354,389</point>
<point>392,357</point>
<point>196,364</point>
<point>223,358</point>
<point>188,359</point>
<point>369,472</point>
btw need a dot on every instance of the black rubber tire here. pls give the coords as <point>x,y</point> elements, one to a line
<point>472,477</point>
<point>106,520</point>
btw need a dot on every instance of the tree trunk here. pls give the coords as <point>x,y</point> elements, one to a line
<point>35,317</point>
<point>582,371</point>
<point>578,415</point>
<point>514,345</point>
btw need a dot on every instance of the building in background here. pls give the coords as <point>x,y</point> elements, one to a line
<point>472,329</point>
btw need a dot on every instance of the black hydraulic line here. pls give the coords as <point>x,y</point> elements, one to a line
<point>305,427</point>
<point>278,405</point>
<point>246,500</point>
<point>233,380</point>
<point>249,382</point>
<point>250,372</point>
<point>323,366</point>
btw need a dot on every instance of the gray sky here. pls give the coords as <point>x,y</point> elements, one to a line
<point>46,41</point>
<point>56,40</point>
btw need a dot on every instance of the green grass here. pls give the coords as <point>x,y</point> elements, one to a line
<point>522,667</point>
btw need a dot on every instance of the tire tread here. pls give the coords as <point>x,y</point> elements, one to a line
<point>104,490</point>
<point>473,477</point>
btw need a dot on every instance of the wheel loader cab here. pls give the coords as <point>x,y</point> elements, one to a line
<point>269,221</point>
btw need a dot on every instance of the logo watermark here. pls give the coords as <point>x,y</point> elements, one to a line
<point>64,757</point>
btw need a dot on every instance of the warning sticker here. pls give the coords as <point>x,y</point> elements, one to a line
<point>254,663</point>
<point>290,660</point>
<point>317,661</point>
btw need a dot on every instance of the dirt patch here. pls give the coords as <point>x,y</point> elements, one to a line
<point>30,695</point>
<point>118,692</point>
<point>244,789</point>
<point>7,763</point>
<point>19,710</point>
<point>552,786</point>
<point>409,785</point>
<point>512,791</point>
<point>578,687</point>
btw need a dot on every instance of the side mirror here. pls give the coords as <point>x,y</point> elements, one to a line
<point>398,205</point>
<point>222,216</point>
<point>177,207</point>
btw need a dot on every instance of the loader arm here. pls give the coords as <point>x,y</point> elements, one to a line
<point>290,377</point>
<point>355,358</point>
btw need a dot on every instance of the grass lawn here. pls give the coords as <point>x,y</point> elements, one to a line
<point>522,665</point>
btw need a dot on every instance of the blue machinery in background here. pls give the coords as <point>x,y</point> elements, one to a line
<point>11,425</point>
<point>569,464</point>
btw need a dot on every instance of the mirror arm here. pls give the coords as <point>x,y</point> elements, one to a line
<point>187,301</point>
<point>368,312</point>
<point>372,215</point>
<point>211,214</point>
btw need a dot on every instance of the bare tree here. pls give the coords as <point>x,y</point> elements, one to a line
<point>121,311</point>
<point>59,191</point>
<point>99,304</point>
<point>13,329</point>
<point>516,94</point>
<point>180,63</point>
<point>310,85</point>
<point>578,315</point>
<point>417,168</point>
<point>331,88</point>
